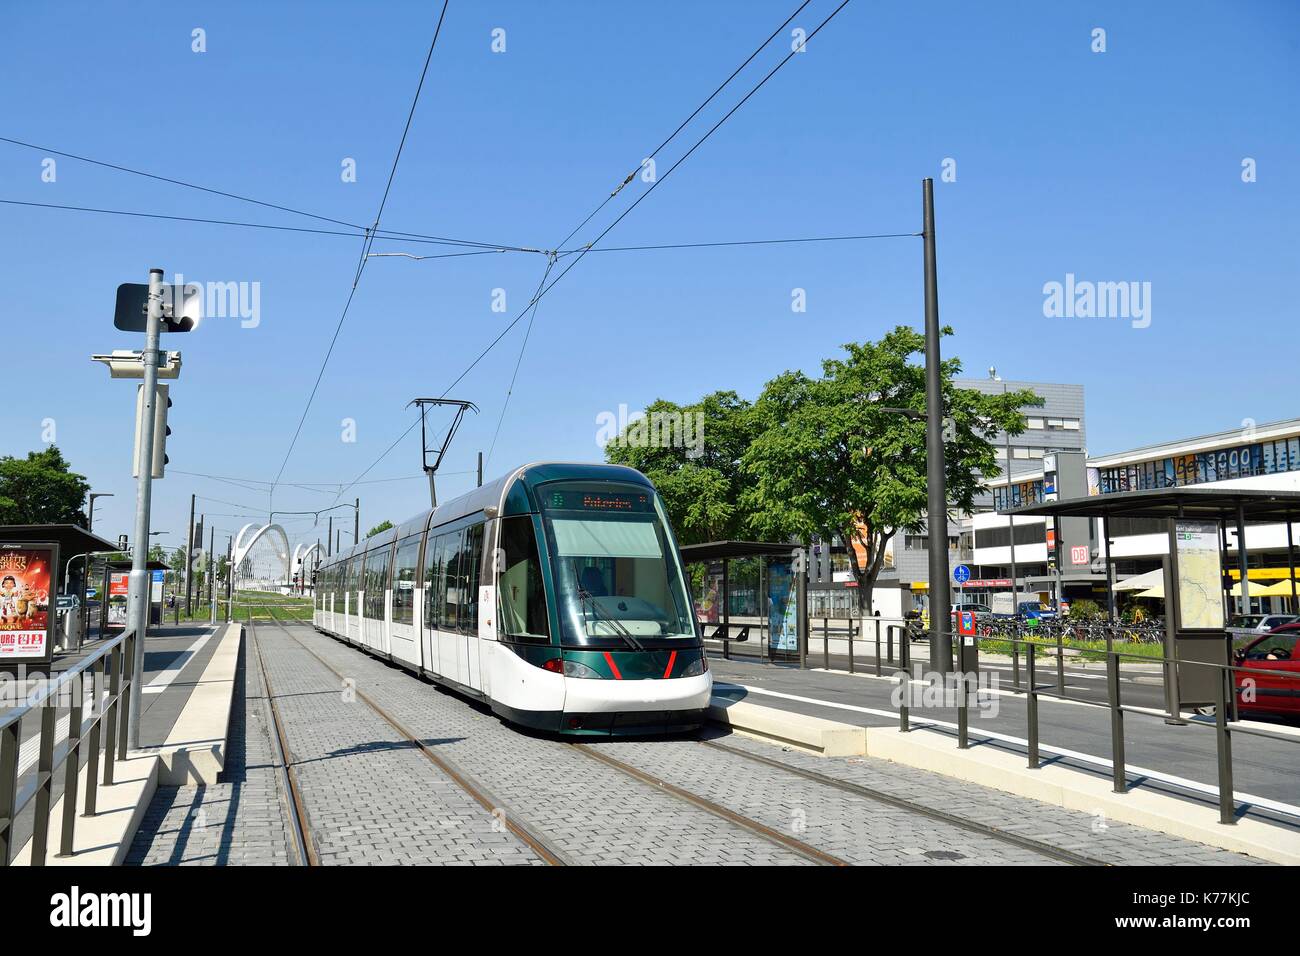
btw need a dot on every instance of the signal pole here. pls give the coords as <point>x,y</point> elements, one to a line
<point>189,559</point>
<point>138,581</point>
<point>356,521</point>
<point>936,470</point>
<point>329,538</point>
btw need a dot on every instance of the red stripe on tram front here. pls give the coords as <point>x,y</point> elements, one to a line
<point>672,659</point>
<point>612,666</point>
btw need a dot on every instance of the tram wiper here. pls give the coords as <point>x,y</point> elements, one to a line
<point>619,630</point>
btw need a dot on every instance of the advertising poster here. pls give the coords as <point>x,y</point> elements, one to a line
<point>115,607</point>
<point>782,613</point>
<point>26,582</point>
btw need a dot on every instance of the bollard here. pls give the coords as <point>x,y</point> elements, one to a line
<point>826,643</point>
<point>850,645</point>
<point>1060,663</point>
<point>1015,655</point>
<point>905,689</point>
<point>1032,708</point>
<point>1223,748</point>
<point>963,716</point>
<point>1118,777</point>
<point>877,648</point>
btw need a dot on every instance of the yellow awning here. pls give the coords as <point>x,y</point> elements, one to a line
<point>1279,589</point>
<point>1158,592</point>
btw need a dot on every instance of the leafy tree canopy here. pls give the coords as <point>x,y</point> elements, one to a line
<point>41,489</point>
<point>382,526</point>
<point>829,461</point>
<point>692,453</point>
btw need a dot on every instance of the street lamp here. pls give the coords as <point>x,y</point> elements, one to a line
<point>90,519</point>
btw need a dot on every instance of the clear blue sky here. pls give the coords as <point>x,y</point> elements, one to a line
<point>1115,166</point>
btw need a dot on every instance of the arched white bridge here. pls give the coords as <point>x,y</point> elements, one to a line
<point>244,542</point>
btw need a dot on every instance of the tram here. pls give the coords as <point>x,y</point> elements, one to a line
<point>554,594</point>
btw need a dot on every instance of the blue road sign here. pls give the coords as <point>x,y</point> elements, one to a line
<point>158,577</point>
<point>961,574</point>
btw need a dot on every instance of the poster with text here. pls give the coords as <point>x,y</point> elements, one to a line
<point>26,583</point>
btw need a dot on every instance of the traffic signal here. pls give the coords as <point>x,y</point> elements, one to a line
<point>160,430</point>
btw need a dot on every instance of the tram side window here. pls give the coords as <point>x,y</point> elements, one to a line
<point>521,597</point>
<point>376,582</point>
<point>404,569</point>
<point>454,585</point>
<point>433,581</point>
<point>472,563</point>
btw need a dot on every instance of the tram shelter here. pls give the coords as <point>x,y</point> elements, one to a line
<point>781,597</point>
<point>1197,583</point>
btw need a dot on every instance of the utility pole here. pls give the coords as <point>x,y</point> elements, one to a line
<point>230,578</point>
<point>329,538</point>
<point>138,581</point>
<point>480,469</point>
<point>936,477</point>
<point>189,559</point>
<point>356,521</point>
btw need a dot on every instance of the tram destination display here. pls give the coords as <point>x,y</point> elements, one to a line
<point>26,583</point>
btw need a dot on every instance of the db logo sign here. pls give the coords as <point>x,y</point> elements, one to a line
<point>1079,555</point>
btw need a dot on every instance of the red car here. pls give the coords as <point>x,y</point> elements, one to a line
<point>1275,653</point>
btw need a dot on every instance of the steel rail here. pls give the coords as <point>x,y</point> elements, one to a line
<point>973,826</point>
<point>538,843</point>
<point>803,849</point>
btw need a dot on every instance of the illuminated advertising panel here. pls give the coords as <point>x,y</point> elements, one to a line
<point>26,586</point>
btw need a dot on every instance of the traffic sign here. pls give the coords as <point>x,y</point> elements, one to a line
<point>966,623</point>
<point>961,574</point>
<point>182,307</point>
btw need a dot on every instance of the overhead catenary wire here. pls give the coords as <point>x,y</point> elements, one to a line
<point>587,248</point>
<point>365,249</point>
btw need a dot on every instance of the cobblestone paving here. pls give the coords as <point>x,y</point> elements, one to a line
<point>592,813</point>
<point>371,796</point>
<point>239,820</point>
<point>1089,834</point>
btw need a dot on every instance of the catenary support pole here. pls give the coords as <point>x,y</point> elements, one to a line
<point>138,582</point>
<point>936,483</point>
<point>189,561</point>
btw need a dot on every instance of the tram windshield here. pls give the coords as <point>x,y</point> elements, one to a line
<point>618,577</point>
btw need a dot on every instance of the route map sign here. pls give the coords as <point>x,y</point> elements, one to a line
<point>1200,602</point>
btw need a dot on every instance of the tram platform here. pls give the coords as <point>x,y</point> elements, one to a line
<point>1171,769</point>
<point>186,698</point>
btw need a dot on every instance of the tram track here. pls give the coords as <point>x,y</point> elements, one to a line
<point>281,755</point>
<point>764,832</point>
<point>545,848</point>
<point>989,831</point>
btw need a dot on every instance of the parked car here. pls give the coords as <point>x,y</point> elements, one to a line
<point>1258,690</point>
<point>1245,627</point>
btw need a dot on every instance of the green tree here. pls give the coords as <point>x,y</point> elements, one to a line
<point>382,526</point>
<point>692,453</point>
<point>41,489</point>
<point>829,461</point>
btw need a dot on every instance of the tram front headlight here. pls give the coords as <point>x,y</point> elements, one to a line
<point>696,667</point>
<point>578,669</point>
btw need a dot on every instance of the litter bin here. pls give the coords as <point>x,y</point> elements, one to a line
<point>68,621</point>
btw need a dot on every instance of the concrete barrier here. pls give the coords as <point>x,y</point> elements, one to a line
<point>826,737</point>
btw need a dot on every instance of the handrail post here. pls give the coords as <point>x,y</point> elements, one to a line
<point>128,682</point>
<point>826,643</point>
<point>44,785</point>
<point>905,688</point>
<point>111,716</point>
<point>1118,776</point>
<point>1223,739</point>
<point>72,767</point>
<point>1032,702</point>
<point>889,640</point>
<point>10,739</point>
<point>97,709</point>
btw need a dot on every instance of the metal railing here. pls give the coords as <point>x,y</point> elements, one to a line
<point>109,665</point>
<point>1225,706</point>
